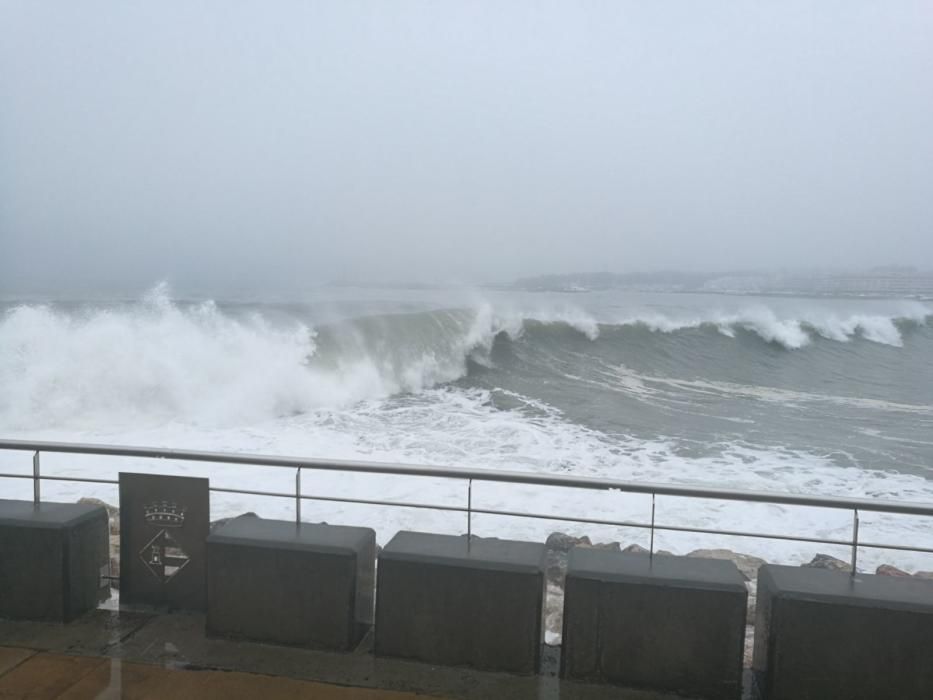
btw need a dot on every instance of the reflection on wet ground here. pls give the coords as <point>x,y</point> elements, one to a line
<point>111,654</point>
<point>42,675</point>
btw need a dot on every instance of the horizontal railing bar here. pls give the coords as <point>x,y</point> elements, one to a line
<point>699,530</point>
<point>336,499</point>
<point>516,514</point>
<point>585,521</point>
<point>756,535</point>
<point>593,483</point>
<point>85,479</point>
<point>561,518</point>
<point>398,504</point>
<point>251,492</point>
<point>898,547</point>
<point>671,528</point>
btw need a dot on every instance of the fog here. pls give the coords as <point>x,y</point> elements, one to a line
<point>289,144</point>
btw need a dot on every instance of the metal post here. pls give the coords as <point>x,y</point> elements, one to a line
<point>469,513</point>
<point>651,545</point>
<point>35,480</point>
<point>854,539</point>
<point>298,497</point>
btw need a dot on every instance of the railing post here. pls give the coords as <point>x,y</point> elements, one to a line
<point>36,492</point>
<point>298,497</point>
<point>651,544</point>
<point>469,513</point>
<point>854,540</point>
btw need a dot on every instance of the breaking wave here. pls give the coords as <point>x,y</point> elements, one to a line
<point>795,333</point>
<point>160,360</point>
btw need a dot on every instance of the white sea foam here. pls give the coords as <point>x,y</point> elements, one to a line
<point>154,361</point>
<point>460,427</point>
<point>648,386</point>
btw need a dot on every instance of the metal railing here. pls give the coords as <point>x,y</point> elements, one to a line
<point>485,475</point>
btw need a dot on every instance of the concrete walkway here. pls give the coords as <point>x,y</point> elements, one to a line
<point>25,673</point>
<point>119,654</point>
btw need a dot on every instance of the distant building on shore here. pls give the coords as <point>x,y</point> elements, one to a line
<point>879,281</point>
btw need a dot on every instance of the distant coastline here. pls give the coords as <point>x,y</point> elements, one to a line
<point>875,282</point>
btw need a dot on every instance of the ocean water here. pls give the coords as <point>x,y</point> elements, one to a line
<point>805,395</point>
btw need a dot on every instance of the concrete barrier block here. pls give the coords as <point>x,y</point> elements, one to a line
<point>273,581</point>
<point>671,624</point>
<point>51,559</point>
<point>441,601</point>
<point>827,635</point>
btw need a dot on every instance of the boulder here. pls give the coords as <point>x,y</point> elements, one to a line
<point>745,563</point>
<point>824,561</point>
<point>635,549</point>
<point>556,547</point>
<point>609,546</point>
<point>888,570</point>
<point>924,574</point>
<point>562,542</point>
<point>113,513</point>
<point>217,523</point>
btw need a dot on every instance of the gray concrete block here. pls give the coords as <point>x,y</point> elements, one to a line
<point>826,635</point>
<point>51,559</point>
<point>272,581</point>
<point>442,602</point>
<point>666,623</point>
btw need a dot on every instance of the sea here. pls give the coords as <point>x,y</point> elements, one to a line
<point>808,395</point>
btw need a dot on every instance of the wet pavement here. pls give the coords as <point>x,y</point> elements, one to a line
<point>29,674</point>
<point>109,654</point>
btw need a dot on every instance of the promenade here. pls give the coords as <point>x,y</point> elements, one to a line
<point>111,655</point>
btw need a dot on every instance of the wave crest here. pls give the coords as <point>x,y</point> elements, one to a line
<point>157,360</point>
<point>792,333</point>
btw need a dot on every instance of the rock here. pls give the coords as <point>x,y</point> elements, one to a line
<point>113,513</point>
<point>609,546</point>
<point>824,561</point>
<point>556,548</point>
<point>745,563</point>
<point>557,545</point>
<point>221,521</point>
<point>924,574</point>
<point>638,549</point>
<point>888,570</point>
<point>562,542</point>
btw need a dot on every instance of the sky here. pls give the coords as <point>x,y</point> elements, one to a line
<point>294,143</point>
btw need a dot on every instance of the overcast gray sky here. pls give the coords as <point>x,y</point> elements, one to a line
<point>205,142</point>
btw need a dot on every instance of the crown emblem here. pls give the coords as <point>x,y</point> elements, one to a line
<point>164,514</point>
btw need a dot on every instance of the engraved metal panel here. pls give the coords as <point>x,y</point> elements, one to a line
<point>164,523</point>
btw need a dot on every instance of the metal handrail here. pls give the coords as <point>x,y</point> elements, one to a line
<point>470,475</point>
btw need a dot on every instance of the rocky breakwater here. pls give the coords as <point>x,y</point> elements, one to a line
<point>559,544</point>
